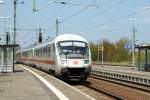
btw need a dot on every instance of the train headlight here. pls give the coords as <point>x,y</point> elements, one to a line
<point>86,61</point>
<point>63,62</point>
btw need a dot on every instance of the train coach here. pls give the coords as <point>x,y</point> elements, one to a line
<point>68,56</point>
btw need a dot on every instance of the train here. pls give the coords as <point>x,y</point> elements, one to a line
<point>67,56</point>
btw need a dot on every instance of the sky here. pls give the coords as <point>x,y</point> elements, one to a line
<point>93,19</point>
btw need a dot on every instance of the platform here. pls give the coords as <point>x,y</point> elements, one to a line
<point>23,85</point>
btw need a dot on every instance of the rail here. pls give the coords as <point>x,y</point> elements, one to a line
<point>124,76</point>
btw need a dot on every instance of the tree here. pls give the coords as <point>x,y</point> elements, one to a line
<point>113,52</point>
<point>94,49</point>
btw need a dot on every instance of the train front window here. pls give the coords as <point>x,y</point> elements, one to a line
<point>73,47</point>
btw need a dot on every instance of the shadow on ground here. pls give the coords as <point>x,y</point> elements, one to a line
<point>18,71</point>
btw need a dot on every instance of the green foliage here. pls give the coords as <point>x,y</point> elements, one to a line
<point>113,52</point>
<point>94,48</point>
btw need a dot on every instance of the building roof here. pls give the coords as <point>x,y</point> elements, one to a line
<point>9,45</point>
<point>143,47</point>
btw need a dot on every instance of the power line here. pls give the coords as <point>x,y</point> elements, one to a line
<point>77,4</point>
<point>110,7</point>
<point>40,8</point>
<point>106,9</point>
<point>117,19</point>
<point>25,29</point>
<point>68,18</point>
<point>25,3</point>
<point>75,14</point>
<point>56,12</point>
<point>25,20</point>
<point>52,27</point>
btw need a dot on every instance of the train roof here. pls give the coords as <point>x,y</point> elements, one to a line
<point>67,37</point>
<point>63,37</point>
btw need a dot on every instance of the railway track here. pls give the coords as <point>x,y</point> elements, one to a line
<point>106,93</point>
<point>93,92</point>
<point>125,83</point>
<point>118,89</point>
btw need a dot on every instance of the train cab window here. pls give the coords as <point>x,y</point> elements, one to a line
<point>73,48</point>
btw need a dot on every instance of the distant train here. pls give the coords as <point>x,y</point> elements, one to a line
<point>68,56</point>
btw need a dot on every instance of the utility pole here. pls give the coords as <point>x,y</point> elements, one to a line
<point>34,5</point>
<point>98,50</point>
<point>102,49</point>
<point>102,46</point>
<point>133,42</point>
<point>133,47</point>
<point>57,27</point>
<point>14,36</point>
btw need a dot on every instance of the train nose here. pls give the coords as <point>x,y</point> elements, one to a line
<point>75,71</point>
<point>76,63</point>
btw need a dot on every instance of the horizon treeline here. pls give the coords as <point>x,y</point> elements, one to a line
<point>113,52</point>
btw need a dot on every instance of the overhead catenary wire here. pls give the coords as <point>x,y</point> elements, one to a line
<point>31,24</point>
<point>71,16</point>
<point>105,10</point>
<point>109,8</point>
<point>75,14</point>
<point>68,18</point>
<point>47,20</point>
<point>77,4</point>
<point>117,19</point>
<point>46,5</point>
<point>26,21</point>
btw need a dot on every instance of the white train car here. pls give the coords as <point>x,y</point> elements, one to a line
<point>67,56</point>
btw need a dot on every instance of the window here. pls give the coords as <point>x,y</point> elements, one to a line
<point>49,51</point>
<point>44,51</point>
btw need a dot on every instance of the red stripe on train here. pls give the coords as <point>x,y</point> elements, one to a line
<point>38,60</point>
